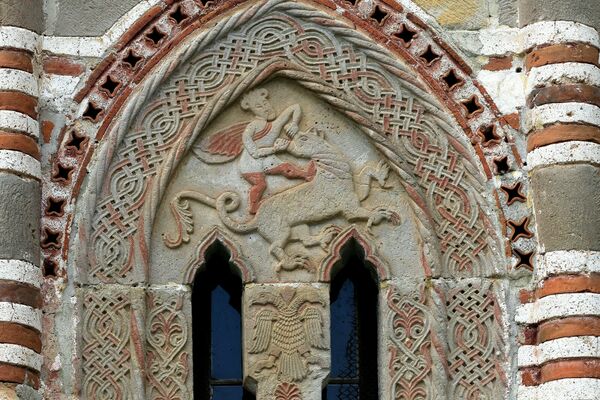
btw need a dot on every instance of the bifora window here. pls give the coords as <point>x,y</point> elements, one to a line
<point>354,293</point>
<point>217,330</point>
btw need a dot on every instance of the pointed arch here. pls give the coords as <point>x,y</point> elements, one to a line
<point>343,240</point>
<point>354,289</point>
<point>236,259</point>
<point>469,218</point>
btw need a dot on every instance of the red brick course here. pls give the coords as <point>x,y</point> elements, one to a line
<point>561,53</point>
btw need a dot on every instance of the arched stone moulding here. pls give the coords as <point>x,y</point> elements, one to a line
<point>236,258</point>
<point>113,81</point>
<point>327,266</point>
<point>134,198</point>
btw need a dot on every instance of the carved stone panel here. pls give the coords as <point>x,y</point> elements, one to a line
<point>476,358</point>
<point>169,344</point>
<point>412,346</point>
<point>112,332</point>
<point>286,340</point>
<point>283,175</point>
<point>383,136</point>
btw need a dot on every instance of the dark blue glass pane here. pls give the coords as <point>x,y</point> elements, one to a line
<point>226,346</point>
<point>342,392</point>
<point>344,340</point>
<point>227,393</point>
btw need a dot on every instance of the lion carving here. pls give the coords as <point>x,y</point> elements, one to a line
<point>332,192</point>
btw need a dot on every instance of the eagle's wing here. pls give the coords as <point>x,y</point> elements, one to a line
<point>262,331</point>
<point>221,146</point>
<point>313,327</point>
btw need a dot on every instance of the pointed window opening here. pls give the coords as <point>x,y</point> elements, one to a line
<point>217,330</point>
<point>354,345</point>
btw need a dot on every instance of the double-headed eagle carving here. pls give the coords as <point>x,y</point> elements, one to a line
<point>287,330</point>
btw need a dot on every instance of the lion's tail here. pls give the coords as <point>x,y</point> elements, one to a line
<point>230,201</point>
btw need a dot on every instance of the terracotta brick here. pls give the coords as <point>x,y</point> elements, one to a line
<point>526,296</point>
<point>569,284</point>
<point>530,376</point>
<point>21,335</point>
<point>19,142</point>
<point>566,327</point>
<point>16,59</point>
<point>12,373</point>
<point>529,335</point>
<point>94,76</point>
<point>139,25</point>
<point>563,369</point>
<point>499,63</point>
<point>559,133</point>
<point>20,293</point>
<point>62,66</point>
<point>564,93</point>
<point>561,53</point>
<point>47,128</point>
<point>20,102</point>
<point>514,120</point>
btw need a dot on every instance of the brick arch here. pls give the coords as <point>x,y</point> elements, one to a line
<point>157,32</point>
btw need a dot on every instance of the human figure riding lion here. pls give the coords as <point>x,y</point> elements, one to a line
<point>330,189</point>
<point>258,142</point>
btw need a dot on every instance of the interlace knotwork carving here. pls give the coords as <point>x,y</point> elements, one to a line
<point>410,358</point>
<point>167,335</point>
<point>328,57</point>
<point>475,343</point>
<point>288,391</point>
<point>286,329</point>
<point>106,338</point>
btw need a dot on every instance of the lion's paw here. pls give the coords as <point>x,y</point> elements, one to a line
<point>327,234</point>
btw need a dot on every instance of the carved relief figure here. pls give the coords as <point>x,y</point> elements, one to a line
<point>288,327</point>
<point>258,141</point>
<point>331,190</point>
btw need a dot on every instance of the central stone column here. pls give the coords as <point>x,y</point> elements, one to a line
<point>286,339</point>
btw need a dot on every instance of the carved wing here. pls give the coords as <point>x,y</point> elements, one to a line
<point>313,327</point>
<point>262,331</point>
<point>306,297</point>
<point>221,146</point>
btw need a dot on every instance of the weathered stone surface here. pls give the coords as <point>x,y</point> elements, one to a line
<point>112,333</point>
<point>425,212</point>
<point>286,338</point>
<point>298,222</point>
<point>566,201</point>
<point>411,360</point>
<point>89,17</point>
<point>169,343</point>
<point>470,14</point>
<point>25,392</point>
<point>583,11</point>
<point>26,14</point>
<point>8,392</point>
<point>507,12</point>
<point>20,215</point>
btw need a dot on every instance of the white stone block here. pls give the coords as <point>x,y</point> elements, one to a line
<point>20,163</point>
<point>20,271</point>
<point>566,152</point>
